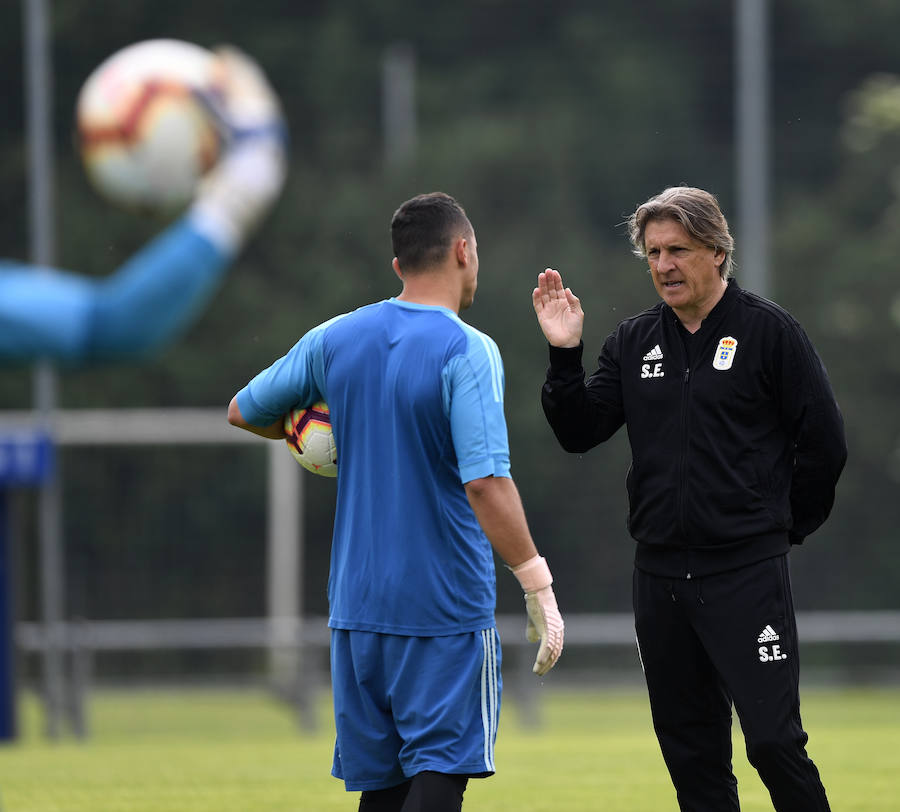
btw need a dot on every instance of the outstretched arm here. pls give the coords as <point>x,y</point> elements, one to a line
<point>158,293</point>
<point>146,303</point>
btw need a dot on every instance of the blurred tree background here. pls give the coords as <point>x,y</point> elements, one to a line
<point>550,123</point>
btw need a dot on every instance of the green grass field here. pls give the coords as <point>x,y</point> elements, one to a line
<point>194,751</point>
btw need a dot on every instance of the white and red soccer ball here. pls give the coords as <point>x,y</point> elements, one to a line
<point>311,440</point>
<point>144,133</point>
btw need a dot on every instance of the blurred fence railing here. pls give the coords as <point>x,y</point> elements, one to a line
<point>156,427</point>
<point>280,631</point>
<point>84,638</point>
<point>581,629</point>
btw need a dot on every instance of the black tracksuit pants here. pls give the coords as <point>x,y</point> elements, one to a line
<point>706,643</point>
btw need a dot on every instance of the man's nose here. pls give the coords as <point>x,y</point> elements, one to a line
<point>665,262</point>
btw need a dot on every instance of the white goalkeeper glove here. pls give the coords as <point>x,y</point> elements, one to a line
<point>545,624</point>
<point>236,194</point>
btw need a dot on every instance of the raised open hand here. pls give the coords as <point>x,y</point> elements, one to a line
<point>558,310</point>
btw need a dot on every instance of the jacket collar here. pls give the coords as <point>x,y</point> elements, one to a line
<point>729,297</point>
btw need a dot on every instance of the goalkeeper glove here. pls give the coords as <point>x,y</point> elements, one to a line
<point>545,624</point>
<point>236,194</point>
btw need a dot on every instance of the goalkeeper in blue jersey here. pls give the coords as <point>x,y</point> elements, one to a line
<point>424,493</point>
<point>74,319</point>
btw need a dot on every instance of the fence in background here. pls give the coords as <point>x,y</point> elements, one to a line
<point>162,427</point>
<point>310,638</point>
<point>297,646</point>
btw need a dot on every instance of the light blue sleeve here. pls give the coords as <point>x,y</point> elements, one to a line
<point>155,296</point>
<point>146,303</point>
<point>473,387</point>
<point>295,379</point>
<point>44,313</point>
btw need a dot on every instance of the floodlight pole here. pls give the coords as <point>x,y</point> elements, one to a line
<point>752,143</point>
<point>398,104</point>
<point>42,222</point>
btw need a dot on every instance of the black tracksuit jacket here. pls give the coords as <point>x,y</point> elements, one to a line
<point>737,441</point>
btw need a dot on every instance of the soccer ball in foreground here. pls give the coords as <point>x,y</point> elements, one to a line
<point>310,439</point>
<point>144,134</point>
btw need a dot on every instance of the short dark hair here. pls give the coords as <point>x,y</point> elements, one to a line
<point>424,228</point>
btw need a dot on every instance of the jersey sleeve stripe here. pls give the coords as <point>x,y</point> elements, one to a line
<point>496,366</point>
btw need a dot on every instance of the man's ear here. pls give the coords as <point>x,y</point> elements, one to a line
<point>460,248</point>
<point>719,256</point>
<point>396,266</point>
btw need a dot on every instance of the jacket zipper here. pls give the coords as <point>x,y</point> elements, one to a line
<point>682,462</point>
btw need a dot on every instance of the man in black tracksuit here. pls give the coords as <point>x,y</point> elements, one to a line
<point>737,445</point>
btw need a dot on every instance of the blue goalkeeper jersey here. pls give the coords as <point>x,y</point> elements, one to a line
<point>416,400</point>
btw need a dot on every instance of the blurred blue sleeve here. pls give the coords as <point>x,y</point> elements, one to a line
<point>144,305</point>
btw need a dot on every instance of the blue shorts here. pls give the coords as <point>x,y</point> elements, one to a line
<point>407,704</point>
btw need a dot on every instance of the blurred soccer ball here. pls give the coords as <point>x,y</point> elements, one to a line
<point>310,439</point>
<point>144,134</point>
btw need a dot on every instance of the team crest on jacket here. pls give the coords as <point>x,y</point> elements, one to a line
<point>725,353</point>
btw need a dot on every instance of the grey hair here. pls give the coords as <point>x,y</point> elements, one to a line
<point>698,213</point>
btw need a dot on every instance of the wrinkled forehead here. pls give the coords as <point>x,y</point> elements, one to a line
<point>661,232</point>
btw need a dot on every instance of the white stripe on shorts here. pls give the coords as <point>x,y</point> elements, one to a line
<point>489,695</point>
